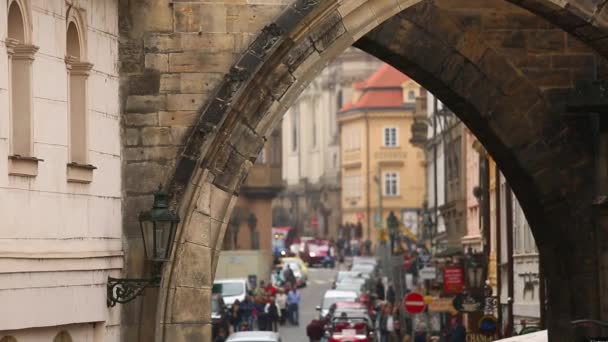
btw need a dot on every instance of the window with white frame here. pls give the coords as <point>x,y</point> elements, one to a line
<point>391,184</point>
<point>411,95</point>
<point>390,136</point>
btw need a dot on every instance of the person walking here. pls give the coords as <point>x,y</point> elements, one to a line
<point>290,277</point>
<point>383,325</point>
<point>281,301</point>
<point>260,314</point>
<point>314,331</point>
<point>246,310</point>
<point>274,314</point>
<point>390,294</point>
<point>235,315</point>
<point>380,289</point>
<point>458,332</point>
<point>293,306</point>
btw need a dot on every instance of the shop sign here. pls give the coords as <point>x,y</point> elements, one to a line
<point>453,279</point>
<point>428,273</point>
<point>479,338</point>
<point>442,305</point>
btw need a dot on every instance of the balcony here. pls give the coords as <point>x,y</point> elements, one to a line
<point>264,180</point>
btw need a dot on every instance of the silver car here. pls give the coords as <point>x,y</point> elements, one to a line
<point>254,336</point>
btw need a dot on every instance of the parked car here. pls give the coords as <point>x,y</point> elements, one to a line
<point>358,288</point>
<point>301,279</point>
<point>317,252</point>
<point>219,315</point>
<point>254,336</point>
<point>342,329</point>
<point>301,264</point>
<point>231,289</point>
<point>333,296</point>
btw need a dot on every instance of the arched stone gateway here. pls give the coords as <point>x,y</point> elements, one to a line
<point>507,68</point>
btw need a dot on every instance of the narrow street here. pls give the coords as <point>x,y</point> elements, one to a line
<point>319,280</point>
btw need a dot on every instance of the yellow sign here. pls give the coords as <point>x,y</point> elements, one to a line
<point>442,305</point>
<point>428,299</point>
<point>383,235</point>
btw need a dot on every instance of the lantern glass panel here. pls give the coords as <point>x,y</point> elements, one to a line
<point>147,231</point>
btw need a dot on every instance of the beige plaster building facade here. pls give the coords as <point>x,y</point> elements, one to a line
<point>311,153</point>
<point>380,167</point>
<point>60,170</point>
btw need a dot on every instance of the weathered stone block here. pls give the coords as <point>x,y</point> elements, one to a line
<point>151,153</point>
<point>190,306</point>
<point>184,102</point>
<point>198,230</point>
<point>189,332</point>
<point>177,118</point>
<point>135,119</point>
<point>170,83</point>
<point>157,61</point>
<point>147,83</point>
<point>144,177</point>
<point>132,136</point>
<point>198,17</point>
<point>145,103</point>
<point>153,136</point>
<point>200,61</point>
<point>194,263</point>
<point>199,82</point>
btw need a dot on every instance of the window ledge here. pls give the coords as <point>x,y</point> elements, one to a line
<point>22,166</point>
<point>80,173</point>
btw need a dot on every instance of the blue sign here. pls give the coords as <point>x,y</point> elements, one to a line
<point>488,325</point>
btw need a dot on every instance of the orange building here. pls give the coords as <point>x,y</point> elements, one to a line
<point>380,167</point>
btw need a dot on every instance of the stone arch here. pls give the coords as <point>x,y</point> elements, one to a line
<point>287,54</point>
<point>62,336</point>
<point>19,23</point>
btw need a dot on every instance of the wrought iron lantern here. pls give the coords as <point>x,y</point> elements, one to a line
<point>475,267</point>
<point>158,227</point>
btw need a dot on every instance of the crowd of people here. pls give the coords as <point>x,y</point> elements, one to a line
<point>266,308</point>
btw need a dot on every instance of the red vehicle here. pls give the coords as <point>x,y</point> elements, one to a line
<point>344,328</point>
<point>316,252</point>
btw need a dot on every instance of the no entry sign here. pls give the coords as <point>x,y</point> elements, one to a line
<point>414,303</point>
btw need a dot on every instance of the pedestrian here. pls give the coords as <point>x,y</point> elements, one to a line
<point>384,321</point>
<point>290,277</point>
<point>281,301</point>
<point>390,294</point>
<point>293,306</point>
<point>260,314</point>
<point>314,331</point>
<point>397,323</point>
<point>274,314</point>
<point>221,335</point>
<point>235,315</point>
<point>260,290</point>
<point>380,290</point>
<point>246,310</point>
<point>458,332</point>
<point>270,289</point>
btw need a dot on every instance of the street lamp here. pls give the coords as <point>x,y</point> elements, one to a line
<point>158,227</point>
<point>475,266</point>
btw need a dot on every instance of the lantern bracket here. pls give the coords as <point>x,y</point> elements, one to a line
<point>124,290</point>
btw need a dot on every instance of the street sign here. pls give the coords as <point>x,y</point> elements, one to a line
<point>453,280</point>
<point>442,305</point>
<point>488,325</point>
<point>414,303</point>
<point>428,273</point>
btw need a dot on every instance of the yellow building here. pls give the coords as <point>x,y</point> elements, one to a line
<point>377,157</point>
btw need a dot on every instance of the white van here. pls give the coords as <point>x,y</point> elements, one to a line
<point>231,289</point>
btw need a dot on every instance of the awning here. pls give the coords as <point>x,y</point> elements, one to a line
<point>539,336</point>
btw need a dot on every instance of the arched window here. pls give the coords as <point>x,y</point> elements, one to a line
<point>63,336</point>
<point>21,56</point>
<point>79,169</point>
<point>8,339</point>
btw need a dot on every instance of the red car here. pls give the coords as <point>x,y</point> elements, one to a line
<point>315,252</point>
<point>343,329</point>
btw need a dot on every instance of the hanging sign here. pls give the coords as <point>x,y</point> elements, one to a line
<point>428,273</point>
<point>453,280</point>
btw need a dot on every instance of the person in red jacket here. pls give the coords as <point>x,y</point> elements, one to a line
<point>314,331</point>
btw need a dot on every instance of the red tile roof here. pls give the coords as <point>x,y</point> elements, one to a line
<point>382,89</point>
